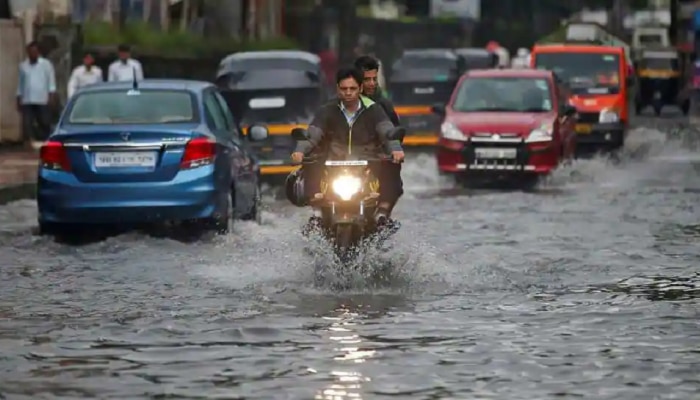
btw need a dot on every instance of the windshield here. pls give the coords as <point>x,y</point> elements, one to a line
<point>591,73</point>
<point>426,62</point>
<point>254,64</point>
<point>504,94</point>
<point>650,40</point>
<point>133,107</point>
<point>659,63</point>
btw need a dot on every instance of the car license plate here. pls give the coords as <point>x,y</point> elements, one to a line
<point>126,159</point>
<point>583,128</point>
<point>496,153</point>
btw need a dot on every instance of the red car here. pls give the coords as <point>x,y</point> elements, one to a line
<point>506,123</point>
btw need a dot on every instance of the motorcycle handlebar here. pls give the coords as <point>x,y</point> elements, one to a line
<point>314,160</point>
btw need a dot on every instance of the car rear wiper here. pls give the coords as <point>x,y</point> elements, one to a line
<point>534,109</point>
<point>495,109</point>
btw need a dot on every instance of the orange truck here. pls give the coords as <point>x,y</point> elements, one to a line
<point>599,82</point>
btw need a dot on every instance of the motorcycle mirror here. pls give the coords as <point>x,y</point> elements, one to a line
<point>257,133</point>
<point>569,110</point>
<point>300,134</point>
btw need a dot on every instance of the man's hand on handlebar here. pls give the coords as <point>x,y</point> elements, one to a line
<point>297,157</point>
<point>397,156</point>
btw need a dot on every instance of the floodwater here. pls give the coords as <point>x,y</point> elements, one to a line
<point>586,288</point>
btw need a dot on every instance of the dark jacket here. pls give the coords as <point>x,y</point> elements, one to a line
<point>367,137</point>
<point>387,105</point>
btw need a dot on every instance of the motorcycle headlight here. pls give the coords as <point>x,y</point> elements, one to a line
<point>608,116</point>
<point>451,132</point>
<point>346,186</point>
<point>539,135</point>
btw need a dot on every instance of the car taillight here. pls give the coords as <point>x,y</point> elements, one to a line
<point>53,155</point>
<point>198,152</point>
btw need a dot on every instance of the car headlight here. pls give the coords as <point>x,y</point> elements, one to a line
<point>451,132</point>
<point>539,135</point>
<point>346,186</point>
<point>608,116</point>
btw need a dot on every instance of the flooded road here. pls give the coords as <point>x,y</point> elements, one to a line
<point>587,288</point>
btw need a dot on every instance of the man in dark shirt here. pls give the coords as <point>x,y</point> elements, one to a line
<point>370,86</point>
<point>352,123</point>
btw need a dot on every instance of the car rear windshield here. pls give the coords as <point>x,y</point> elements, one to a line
<point>133,107</point>
<point>659,63</point>
<point>426,62</point>
<point>503,94</point>
<point>583,71</point>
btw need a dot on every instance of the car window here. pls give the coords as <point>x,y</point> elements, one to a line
<point>228,116</point>
<point>498,94</point>
<point>133,107</point>
<point>214,115</point>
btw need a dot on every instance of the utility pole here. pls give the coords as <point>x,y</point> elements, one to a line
<point>123,13</point>
<point>617,17</point>
<point>673,27</point>
<point>347,27</point>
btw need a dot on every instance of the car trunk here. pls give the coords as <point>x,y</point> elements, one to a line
<point>126,154</point>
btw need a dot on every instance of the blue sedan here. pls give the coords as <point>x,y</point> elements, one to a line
<point>129,153</point>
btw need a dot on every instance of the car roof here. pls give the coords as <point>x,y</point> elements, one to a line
<point>576,48</point>
<point>472,51</point>
<point>430,52</point>
<point>266,54</point>
<point>509,73</point>
<point>152,84</point>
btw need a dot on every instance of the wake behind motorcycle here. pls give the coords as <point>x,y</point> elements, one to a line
<point>347,201</point>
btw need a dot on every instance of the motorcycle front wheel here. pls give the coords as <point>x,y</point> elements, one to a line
<point>344,240</point>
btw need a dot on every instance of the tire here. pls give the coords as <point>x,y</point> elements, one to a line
<point>529,183</point>
<point>221,223</point>
<point>685,107</point>
<point>61,232</point>
<point>343,241</point>
<point>255,213</point>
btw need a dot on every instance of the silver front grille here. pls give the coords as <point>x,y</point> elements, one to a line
<point>486,137</point>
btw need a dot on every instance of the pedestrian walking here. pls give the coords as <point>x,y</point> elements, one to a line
<point>36,94</point>
<point>83,75</point>
<point>125,68</point>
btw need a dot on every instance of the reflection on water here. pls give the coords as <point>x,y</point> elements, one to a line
<point>655,288</point>
<point>347,382</point>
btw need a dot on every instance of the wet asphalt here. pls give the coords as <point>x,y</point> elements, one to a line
<point>585,288</point>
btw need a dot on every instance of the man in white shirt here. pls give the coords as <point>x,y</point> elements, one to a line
<point>125,67</point>
<point>36,92</point>
<point>84,75</point>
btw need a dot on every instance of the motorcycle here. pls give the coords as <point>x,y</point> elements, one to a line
<point>348,200</point>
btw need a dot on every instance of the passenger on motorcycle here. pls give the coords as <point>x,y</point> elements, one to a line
<point>352,124</point>
<point>370,88</point>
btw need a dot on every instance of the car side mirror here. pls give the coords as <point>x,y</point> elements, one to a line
<point>300,134</point>
<point>257,133</point>
<point>569,110</point>
<point>438,109</point>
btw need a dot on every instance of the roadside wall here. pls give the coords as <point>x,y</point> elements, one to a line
<point>11,53</point>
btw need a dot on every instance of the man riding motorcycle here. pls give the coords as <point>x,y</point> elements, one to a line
<point>352,124</point>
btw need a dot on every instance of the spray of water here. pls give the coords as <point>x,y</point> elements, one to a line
<point>274,257</point>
